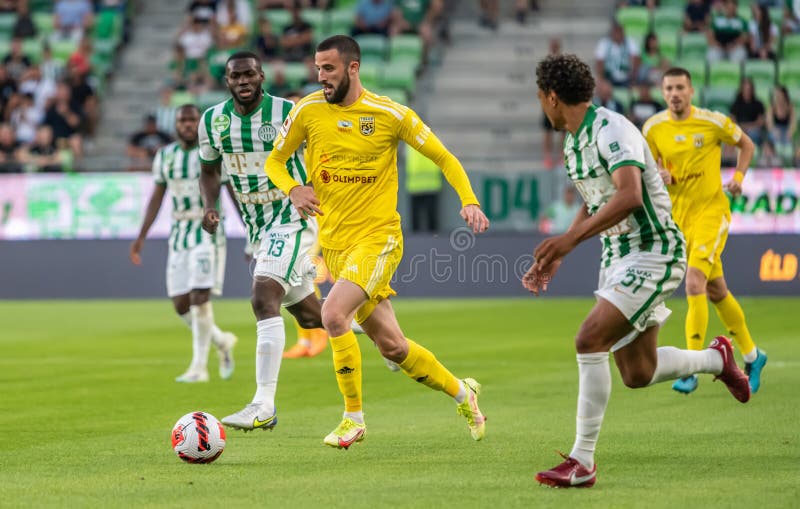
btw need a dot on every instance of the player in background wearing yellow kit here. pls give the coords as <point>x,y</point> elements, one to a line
<point>686,141</point>
<point>351,139</point>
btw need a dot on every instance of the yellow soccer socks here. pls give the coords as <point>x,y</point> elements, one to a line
<point>696,321</point>
<point>347,365</point>
<point>421,365</point>
<point>732,316</point>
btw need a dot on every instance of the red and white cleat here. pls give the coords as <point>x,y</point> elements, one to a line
<point>569,474</point>
<point>731,375</point>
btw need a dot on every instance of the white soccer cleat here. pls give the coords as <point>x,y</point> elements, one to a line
<point>192,377</point>
<point>356,327</point>
<point>252,417</point>
<point>392,365</point>
<point>225,354</point>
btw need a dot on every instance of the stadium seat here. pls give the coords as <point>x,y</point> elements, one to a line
<point>668,44</point>
<point>791,47</point>
<point>278,18</point>
<point>44,23</point>
<point>697,69</point>
<point>370,74</point>
<point>32,48</point>
<point>62,49</point>
<point>317,18</point>
<point>724,74</point>
<point>635,21</point>
<point>395,94</point>
<point>762,72</point>
<point>295,73</point>
<point>341,20</point>
<point>623,96</point>
<point>789,73</point>
<point>776,15</point>
<point>216,60</point>
<point>181,97</point>
<point>694,46</point>
<point>667,20</point>
<point>672,3</point>
<point>658,96</point>
<point>719,98</point>
<point>399,75</point>
<point>745,12</point>
<point>7,22</point>
<point>373,46</point>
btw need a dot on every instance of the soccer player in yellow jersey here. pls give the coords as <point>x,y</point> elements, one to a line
<point>351,154</point>
<point>686,141</point>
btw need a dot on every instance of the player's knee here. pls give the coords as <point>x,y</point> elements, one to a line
<point>395,351</point>
<point>717,293</point>
<point>696,282</point>
<point>334,321</point>
<point>265,307</point>
<point>636,379</point>
<point>308,319</point>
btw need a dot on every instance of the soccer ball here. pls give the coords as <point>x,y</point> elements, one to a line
<point>198,437</point>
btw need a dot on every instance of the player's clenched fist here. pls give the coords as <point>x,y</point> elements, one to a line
<point>211,220</point>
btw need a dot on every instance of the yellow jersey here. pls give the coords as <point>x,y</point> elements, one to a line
<point>691,151</point>
<point>351,158</point>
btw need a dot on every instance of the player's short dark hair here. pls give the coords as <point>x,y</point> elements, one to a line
<point>345,45</point>
<point>678,71</point>
<point>243,55</point>
<point>566,75</point>
<point>187,107</point>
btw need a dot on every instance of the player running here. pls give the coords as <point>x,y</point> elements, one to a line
<point>643,261</point>
<point>686,142</point>
<point>196,260</point>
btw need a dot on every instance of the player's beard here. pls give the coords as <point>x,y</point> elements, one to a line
<point>340,92</point>
<point>254,98</point>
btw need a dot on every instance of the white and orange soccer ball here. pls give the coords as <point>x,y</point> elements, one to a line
<point>198,437</point>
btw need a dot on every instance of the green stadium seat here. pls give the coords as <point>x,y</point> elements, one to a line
<point>776,15</point>
<point>624,97</point>
<point>32,48</point>
<point>295,73</point>
<point>397,95</point>
<point>216,60</point>
<point>317,18</point>
<point>694,46</point>
<point>697,69</point>
<point>668,19</point>
<point>668,44</point>
<point>724,74</point>
<point>745,12</point>
<point>373,46</point>
<point>62,49</point>
<point>635,21</point>
<point>789,73</point>
<point>719,98</point>
<point>405,45</point>
<point>672,3</point>
<point>181,97</point>
<point>658,96</point>
<point>763,74</point>
<point>791,47</point>
<point>370,73</point>
<point>341,20</point>
<point>7,22</point>
<point>5,47</point>
<point>42,5</point>
<point>210,98</point>
<point>399,75</point>
<point>43,22</point>
<point>278,18</point>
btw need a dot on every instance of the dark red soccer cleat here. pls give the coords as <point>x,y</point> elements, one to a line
<point>569,474</point>
<point>731,375</point>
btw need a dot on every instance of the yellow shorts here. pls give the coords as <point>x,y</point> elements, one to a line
<point>706,236</point>
<point>370,264</point>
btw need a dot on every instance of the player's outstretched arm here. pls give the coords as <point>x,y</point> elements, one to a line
<point>153,206</point>
<point>746,150</point>
<point>209,190</point>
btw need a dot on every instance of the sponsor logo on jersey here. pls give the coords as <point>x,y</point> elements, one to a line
<point>325,176</point>
<point>344,125</point>
<point>679,138</point>
<point>366,125</point>
<point>221,123</point>
<point>614,147</point>
<point>286,125</point>
<point>699,140</point>
<point>267,133</point>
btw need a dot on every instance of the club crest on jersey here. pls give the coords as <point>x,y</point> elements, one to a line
<point>267,133</point>
<point>344,125</point>
<point>699,140</point>
<point>366,125</point>
<point>221,123</point>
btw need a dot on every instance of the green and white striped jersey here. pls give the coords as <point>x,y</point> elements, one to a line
<point>604,142</point>
<point>179,170</point>
<point>243,143</point>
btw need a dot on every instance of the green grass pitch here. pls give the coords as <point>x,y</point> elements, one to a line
<point>87,402</point>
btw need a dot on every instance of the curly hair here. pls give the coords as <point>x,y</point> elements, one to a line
<point>566,75</point>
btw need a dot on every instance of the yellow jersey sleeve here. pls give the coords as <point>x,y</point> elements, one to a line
<point>419,136</point>
<point>728,131</point>
<point>290,136</point>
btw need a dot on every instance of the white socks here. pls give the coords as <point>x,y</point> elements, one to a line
<point>462,393</point>
<point>676,363</point>
<point>269,351</point>
<point>594,389</point>
<point>356,416</point>
<point>202,325</point>
<point>216,333</point>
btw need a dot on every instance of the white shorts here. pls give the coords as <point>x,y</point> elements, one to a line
<point>198,268</point>
<point>638,285</point>
<point>283,255</point>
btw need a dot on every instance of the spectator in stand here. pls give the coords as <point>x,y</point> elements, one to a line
<point>490,14</point>
<point>273,4</point>
<point>24,118</point>
<point>24,28</point>
<point>234,19</point>
<point>190,59</point>
<point>165,111</point>
<point>205,10</point>
<point>42,89</point>
<point>144,144</point>
<point>81,58</point>
<point>764,34</point>
<point>42,155</point>
<point>561,213</point>
<point>65,120</point>
<point>298,38</point>
<point>791,17</point>
<point>268,44</point>
<point>781,124</point>
<point>196,40</point>
<point>373,17</point>
<point>83,97</point>
<point>604,96</point>
<point>728,35</point>
<point>9,150</point>
<point>417,17</point>
<point>617,57</point>
<point>697,16</point>
<point>52,69</point>
<point>8,6</point>
<point>72,18</point>
<point>8,87</point>
<point>16,62</point>
<point>749,112</point>
<point>650,4</point>
<point>653,62</point>
<point>643,107</point>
